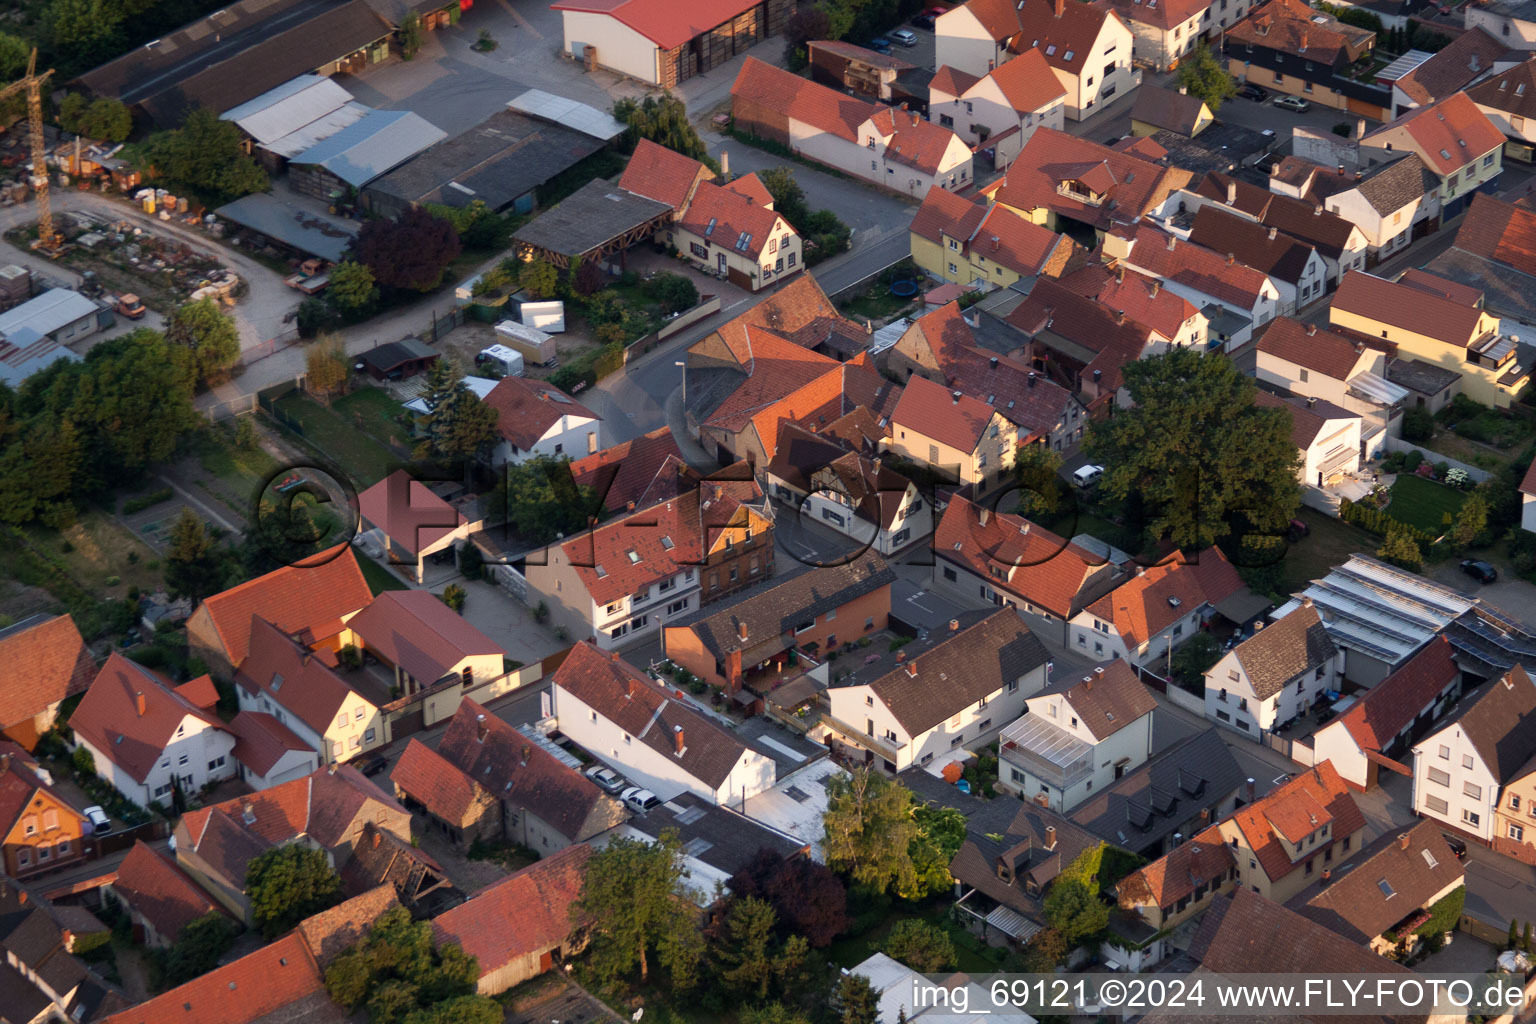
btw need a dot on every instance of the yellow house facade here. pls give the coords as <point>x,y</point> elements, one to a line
<point>959,436</point>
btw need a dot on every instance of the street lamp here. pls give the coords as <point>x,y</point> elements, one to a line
<point>677,362</point>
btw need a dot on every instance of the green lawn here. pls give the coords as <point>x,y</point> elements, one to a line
<point>377,412</point>
<point>362,457</point>
<point>379,578</point>
<point>1423,503</point>
<point>217,454</point>
<point>1330,544</point>
<point>850,950</point>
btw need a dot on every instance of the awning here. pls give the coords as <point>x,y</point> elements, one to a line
<point>1012,923</point>
<point>1378,389</point>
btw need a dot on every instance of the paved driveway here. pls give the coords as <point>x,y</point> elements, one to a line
<point>507,621</point>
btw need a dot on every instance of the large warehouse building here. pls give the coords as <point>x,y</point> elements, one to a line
<point>664,42</point>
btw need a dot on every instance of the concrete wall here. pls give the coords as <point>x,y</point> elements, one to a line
<point>619,47</point>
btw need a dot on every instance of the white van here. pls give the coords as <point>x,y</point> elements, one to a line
<point>1087,476</point>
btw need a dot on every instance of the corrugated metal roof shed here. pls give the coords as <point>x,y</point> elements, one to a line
<point>47,313</point>
<point>369,147</point>
<point>292,225</point>
<point>538,103</point>
<point>288,108</point>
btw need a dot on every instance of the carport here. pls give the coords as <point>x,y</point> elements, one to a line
<point>597,221</point>
<point>398,359</point>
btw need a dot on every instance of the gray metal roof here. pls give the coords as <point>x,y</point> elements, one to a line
<point>596,213</point>
<point>293,225</point>
<point>287,108</point>
<point>558,109</point>
<point>26,352</point>
<point>371,146</point>
<point>46,313</point>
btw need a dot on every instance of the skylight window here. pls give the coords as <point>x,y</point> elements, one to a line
<point>1444,154</point>
<point>634,557</point>
<point>710,227</point>
<point>666,543</point>
<point>1068,55</point>
<point>1050,51</point>
<point>1520,89</point>
<point>1429,859</point>
<point>601,572</point>
<point>1386,888</point>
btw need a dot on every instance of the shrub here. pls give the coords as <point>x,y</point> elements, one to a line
<point>453,597</point>
<point>1411,461</point>
<point>84,763</point>
<point>674,291</point>
<point>1418,426</point>
<point>147,501</point>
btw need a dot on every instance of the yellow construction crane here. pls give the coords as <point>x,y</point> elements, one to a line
<point>33,84</point>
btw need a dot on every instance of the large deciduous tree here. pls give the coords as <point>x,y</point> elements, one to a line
<point>809,899</point>
<point>663,120</point>
<point>637,890</point>
<point>288,884</point>
<point>403,977</point>
<point>410,253</point>
<point>204,154</point>
<point>1202,76</point>
<point>868,829</point>
<point>211,337</point>
<point>1197,451</point>
<point>541,500</point>
<point>352,288</point>
<point>194,565</point>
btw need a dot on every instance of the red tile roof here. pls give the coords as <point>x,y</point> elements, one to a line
<point>949,417</point>
<point>1166,15</point>
<point>1010,241</point>
<point>1434,284</point>
<point>261,741</point>
<point>1201,861</point>
<point>944,213</point>
<point>621,473</point>
<point>1500,231</point>
<point>1292,27</point>
<point>158,890</point>
<point>1402,305</point>
<point>47,661</point>
<point>874,58</point>
<point>1113,337</point>
<point>201,692</point>
<point>813,405</point>
<point>528,913</point>
<point>415,630</point>
<point>1040,567</point>
<point>1140,608</point>
<point>912,141</point>
<point>664,22</point>
<point>1449,134</point>
<point>1140,297</point>
<point>1050,157</point>
<point>1025,24</point>
<point>751,186</point>
<point>526,408</point>
<point>276,976</point>
<point>1196,267</point>
<point>786,310</point>
<point>952,81</point>
<point>108,717</point>
<point>730,219</point>
<point>293,677</point>
<point>1295,810</point>
<point>1321,350</point>
<point>312,598</point>
<point>433,781</point>
<point>333,932</point>
<point>408,512</point>
<point>1028,83</point>
<point>1389,706</point>
<point>639,706</point>
<point>775,367</point>
<point>1469,56</point>
<point>803,100</point>
<point>662,174</point>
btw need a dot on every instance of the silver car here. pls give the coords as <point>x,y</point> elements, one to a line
<point>606,778</point>
<point>639,800</point>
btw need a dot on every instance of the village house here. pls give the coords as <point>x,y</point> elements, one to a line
<point>411,524</point>
<point>1381,894</point>
<point>962,438</point>
<point>1275,675</point>
<point>1441,323</point>
<point>44,981</point>
<point>651,41</point>
<point>886,146</point>
<point>1341,243</point>
<point>768,631</point>
<point>160,898</point>
<point>1481,745</point>
<point>311,601</point>
<point>1508,99</point>
<point>963,242</point>
<point>488,781</point>
<point>1165,110</point>
<point>881,77</point>
<point>537,419</point>
<point>149,737</point>
<point>41,828</point>
<point>1087,46</point>
<point>1455,140</point>
<point>1008,560</point>
<point>1078,735</point>
<point>1235,298</point>
<point>46,661</point>
<point>268,752</point>
<point>277,982</point>
<point>1082,343</point>
<point>1181,883</point>
<point>422,642</point>
<point>655,739</point>
<point>1284,842</point>
<point>1303,360</point>
<point>1390,203</point>
<point>1289,47</point>
<point>970,682</point>
<point>1295,267</point>
<point>1470,57</point>
<point>1492,254</point>
<point>1144,618</point>
<point>1144,300</point>
<point>1327,438</point>
<point>1165,31</point>
<point>1508,21</point>
<point>1000,110</point>
<point>282,679</point>
<point>1375,732</point>
<point>623,474</point>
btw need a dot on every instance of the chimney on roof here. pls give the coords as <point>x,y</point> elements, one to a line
<point>1141,570</point>
<point>1205,814</point>
<point>5,763</point>
<point>954,398</point>
<point>992,362</point>
<point>1231,193</point>
<point>523,754</point>
<point>912,669</point>
<point>1119,316</point>
<point>331,769</point>
<point>982,515</point>
<point>1172,241</point>
<point>1087,682</point>
<point>1119,275</point>
<point>1231,259</point>
<point>1311,401</point>
<point>1098,375</point>
<point>1311,329</point>
<point>901,656</point>
<point>869,326</point>
<point>677,740</point>
<point>954,625</point>
<point>1272,233</point>
<point>1359,127</point>
<point>480,728</point>
<point>741,630</point>
<point>1304,37</point>
<point>629,506</point>
<point>1402,841</point>
<point>1327,875</point>
<point>1258,626</point>
<point>1178,839</point>
<point>613,656</point>
<point>1341,170</point>
<point>629,689</point>
<point>140,704</point>
<point>1031,378</point>
<point>991,64</point>
<point>1061,7</point>
<point>1050,837</point>
<point>1317,209</point>
<point>1250,791</point>
<point>1183,91</point>
<point>1306,602</point>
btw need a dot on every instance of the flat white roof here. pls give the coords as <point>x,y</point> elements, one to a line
<point>590,120</point>
<point>795,805</point>
<point>1385,612</point>
<point>288,108</point>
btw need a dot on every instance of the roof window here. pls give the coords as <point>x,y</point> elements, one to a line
<point>601,572</point>
<point>1444,154</point>
<point>710,227</point>
<point>1050,51</point>
<point>666,544</point>
<point>1067,56</point>
<point>1386,888</point>
<point>634,556</point>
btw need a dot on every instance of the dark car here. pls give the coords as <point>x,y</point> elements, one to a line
<point>1249,91</point>
<point>880,44</point>
<point>375,766</point>
<point>1480,571</point>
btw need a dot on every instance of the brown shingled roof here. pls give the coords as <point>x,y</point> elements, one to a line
<point>1321,350</point>
<point>1040,567</point>
<point>1404,306</point>
<point>159,891</point>
<point>1499,721</point>
<point>1388,707</point>
<point>1204,860</point>
<point>45,661</point>
<point>623,472</point>
<point>528,913</point>
<point>415,630</point>
<point>944,213</point>
<point>1283,650</point>
<point>526,408</point>
<point>1468,57</point>
<point>1130,184</point>
<point>1497,230</point>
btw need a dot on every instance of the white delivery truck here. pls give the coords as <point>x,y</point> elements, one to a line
<point>536,346</point>
<point>507,361</point>
<point>548,317</point>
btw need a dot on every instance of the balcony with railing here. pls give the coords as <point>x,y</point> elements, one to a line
<point>1047,752</point>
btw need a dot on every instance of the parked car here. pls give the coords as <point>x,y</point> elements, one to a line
<point>1295,103</point>
<point>640,800</point>
<point>904,36</point>
<point>1249,91</point>
<point>375,765</point>
<point>1478,570</point>
<point>100,823</point>
<point>1087,476</point>
<point>880,44</point>
<point>1297,529</point>
<point>606,778</point>
<point>130,306</point>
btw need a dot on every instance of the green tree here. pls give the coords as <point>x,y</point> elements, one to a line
<point>105,118</point>
<point>940,834</point>
<point>1038,470</point>
<point>411,35</point>
<point>453,596</point>
<point>90,31</point>
<point>402,978</point>
<point>744,951</point>
<point>39,469</point>
<point>194,565</point>
<point>773,1013</point>
<point>1193,658</point>
<point>410,253</point>
<point>924,947</point>
<point>1074,909</point>
<point>245,434</point>
<point>1418,425</point>
<point>539,278</point>
<point>1400,548</point>
<point>663,120</point>
<point>1045,951</point>
<point>457,424</point>
<point>352,288</point>
<point>542,501</point>
<point>130,400</point>
<point>14,52</point>
<point>857,1001</point>
<point>288,884</point>
<point>205,154</point>
<point>1201,75</point>
<point>202,328</point>
<point>638,890</point>
<point>197,948</point>
<point>326,367</point>
<point>868,829</point>
<point>1471,519</point>
<point>674,291</point>
<point>84,762</point>
<point>788,196</point>
<point>1196,451</point>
